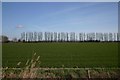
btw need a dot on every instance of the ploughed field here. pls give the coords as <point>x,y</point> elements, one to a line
<point>69,55</point>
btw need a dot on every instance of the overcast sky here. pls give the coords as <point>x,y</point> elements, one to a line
<point>59,17</point>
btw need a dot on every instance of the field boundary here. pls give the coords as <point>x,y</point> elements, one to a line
<point>61,73</point>
<point>61,68</point>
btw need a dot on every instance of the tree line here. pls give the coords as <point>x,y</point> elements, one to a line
<point>68,37</point>
<point>63,37</point>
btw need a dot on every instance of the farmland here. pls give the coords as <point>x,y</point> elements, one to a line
<point>86,54</point>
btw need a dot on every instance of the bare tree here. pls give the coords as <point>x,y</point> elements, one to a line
<point>26,36</point>
<point>67,35</point>
<point>110,37</point>
<point>23,36</point>
<point>4,39</point>
<point>55,36</point>
<point>59,37</point>
<point>115,37</point>
<point>35,36</point>
<point>101,36</point>
<point>51,34</point>
<point>15,39</point>
<point>40,36</point>
<point>105,36</point>
<point>81,36</point>
<point>118,36</point>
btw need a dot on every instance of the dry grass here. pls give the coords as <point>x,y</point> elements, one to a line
<point>32,70</point>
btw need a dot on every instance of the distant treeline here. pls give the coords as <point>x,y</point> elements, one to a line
<point>69,37</point>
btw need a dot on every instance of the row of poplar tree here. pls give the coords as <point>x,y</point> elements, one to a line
<point>66,37</point>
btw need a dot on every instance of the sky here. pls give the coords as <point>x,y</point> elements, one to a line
<point>0,18</point>
<point>60,0</point>
<point>18,17</point>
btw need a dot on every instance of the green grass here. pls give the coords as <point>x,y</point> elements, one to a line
<point>58,54</point>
